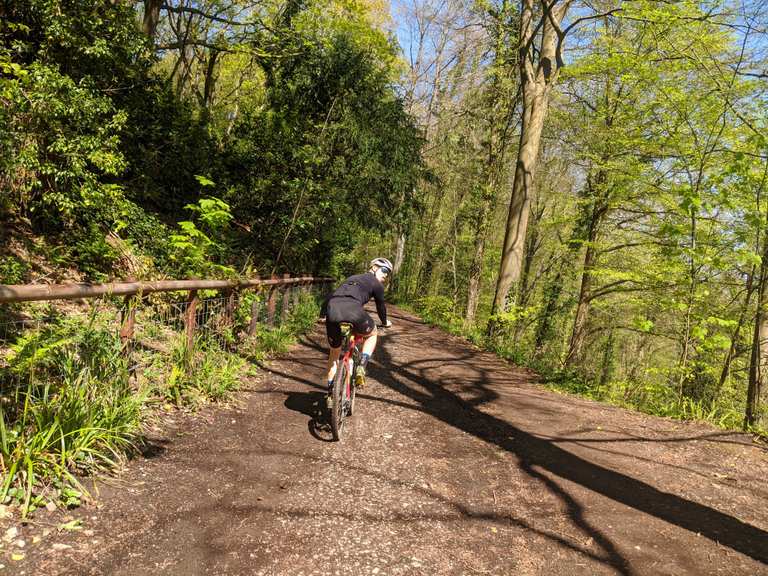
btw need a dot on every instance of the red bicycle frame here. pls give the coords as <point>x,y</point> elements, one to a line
<point>354,340</point>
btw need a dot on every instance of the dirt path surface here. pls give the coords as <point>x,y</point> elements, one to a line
<point>455,463</point>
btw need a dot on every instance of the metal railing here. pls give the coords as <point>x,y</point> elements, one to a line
<point>37,292</point>
<point>209,316</point>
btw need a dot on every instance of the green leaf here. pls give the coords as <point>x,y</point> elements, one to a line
<point>204,181</point>
<point>75,524</point>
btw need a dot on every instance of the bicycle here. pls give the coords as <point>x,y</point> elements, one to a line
<point>343,389</point>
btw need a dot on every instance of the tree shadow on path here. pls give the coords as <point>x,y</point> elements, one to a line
<point>537,455</point>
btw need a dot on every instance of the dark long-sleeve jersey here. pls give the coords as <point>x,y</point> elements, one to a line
<point>363,287</point>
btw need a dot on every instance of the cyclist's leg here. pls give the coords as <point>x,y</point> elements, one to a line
<point>333,332</point>
<point>333,356</point>
<point>369,344</point>
<point>364,327</point>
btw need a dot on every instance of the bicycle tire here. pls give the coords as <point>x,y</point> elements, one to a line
<point>338,409</point>
<point>352,388</point>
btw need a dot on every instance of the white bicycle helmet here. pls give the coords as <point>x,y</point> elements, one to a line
<point>382,263</point>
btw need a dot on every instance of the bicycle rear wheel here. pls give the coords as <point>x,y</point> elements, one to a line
<point>352,388</point>
<point>338,409</point>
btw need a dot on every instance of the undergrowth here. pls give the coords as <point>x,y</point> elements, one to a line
<point>726,411</point>
<point>74,402</point>
<point>68,409</point>
<point>651,398</point>
<point>271,340</point>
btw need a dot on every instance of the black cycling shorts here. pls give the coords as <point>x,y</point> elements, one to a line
<point>345,309</point>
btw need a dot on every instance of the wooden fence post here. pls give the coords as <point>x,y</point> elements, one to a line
<point>190,321</point>
<point>127,326</point>
<point>254,313</point>
<point>297,291</point>
<point>286,303</point>
<point>128,321</point>
<point>271,305</point>
<point>229,306</point>
<point>254,318</point>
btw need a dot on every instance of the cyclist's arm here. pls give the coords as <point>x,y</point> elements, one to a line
<point>381,308</point>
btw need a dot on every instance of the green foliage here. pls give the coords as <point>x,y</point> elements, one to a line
<point>13,270</point>
<point>304,315</point>
<point>193,377</point>
<point>269,341</point>
<point>68,408</point>
<point>440,311</point>
<point>638,279</point>
<point>60,128</point>
<point>266,342</point>
<point>93,254</point>
<point>437,310</point>
<point>312,143</point>
<point>651,399</point>
<point>192,248</point>
<point>331,154</point>
<point>61,137</point>
<point>71,406</point>
<point>146,236</point>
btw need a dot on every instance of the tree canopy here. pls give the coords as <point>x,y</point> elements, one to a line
<point>113,112</point>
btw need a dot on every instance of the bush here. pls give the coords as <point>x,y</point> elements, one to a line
<point>439,310</point>
<point>71,405</point>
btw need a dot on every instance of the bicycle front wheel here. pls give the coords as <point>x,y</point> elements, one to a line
<point>338,409</point>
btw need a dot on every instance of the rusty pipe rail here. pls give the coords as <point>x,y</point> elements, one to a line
<point>37,292</point>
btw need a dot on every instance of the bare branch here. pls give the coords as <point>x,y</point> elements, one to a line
<point>762,75</point>
<point>185,43</point>
<point>593,17</point>
<point>203,14</point>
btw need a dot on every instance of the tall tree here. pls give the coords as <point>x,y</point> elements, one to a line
<point>500,106</point>
<point>540,45</point>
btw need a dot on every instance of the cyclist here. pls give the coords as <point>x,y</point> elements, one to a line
<point>346,305</point>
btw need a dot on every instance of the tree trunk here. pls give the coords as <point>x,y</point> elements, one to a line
<point>536,84</point>
<point>151,17</point>
<point>500,117</point>
<point>397,283</point>
<point>525,288</point>
<point>545,320</point>
<point>606,370</point>
<point>476,267</point>
<point>210,80</point>
<point>576,346</point>
<point>725,373</point>
<point>517,220</point>
<point>758,365</point>
<point>399,253</point>
<point>578,334</point>
<point>531,248</point>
